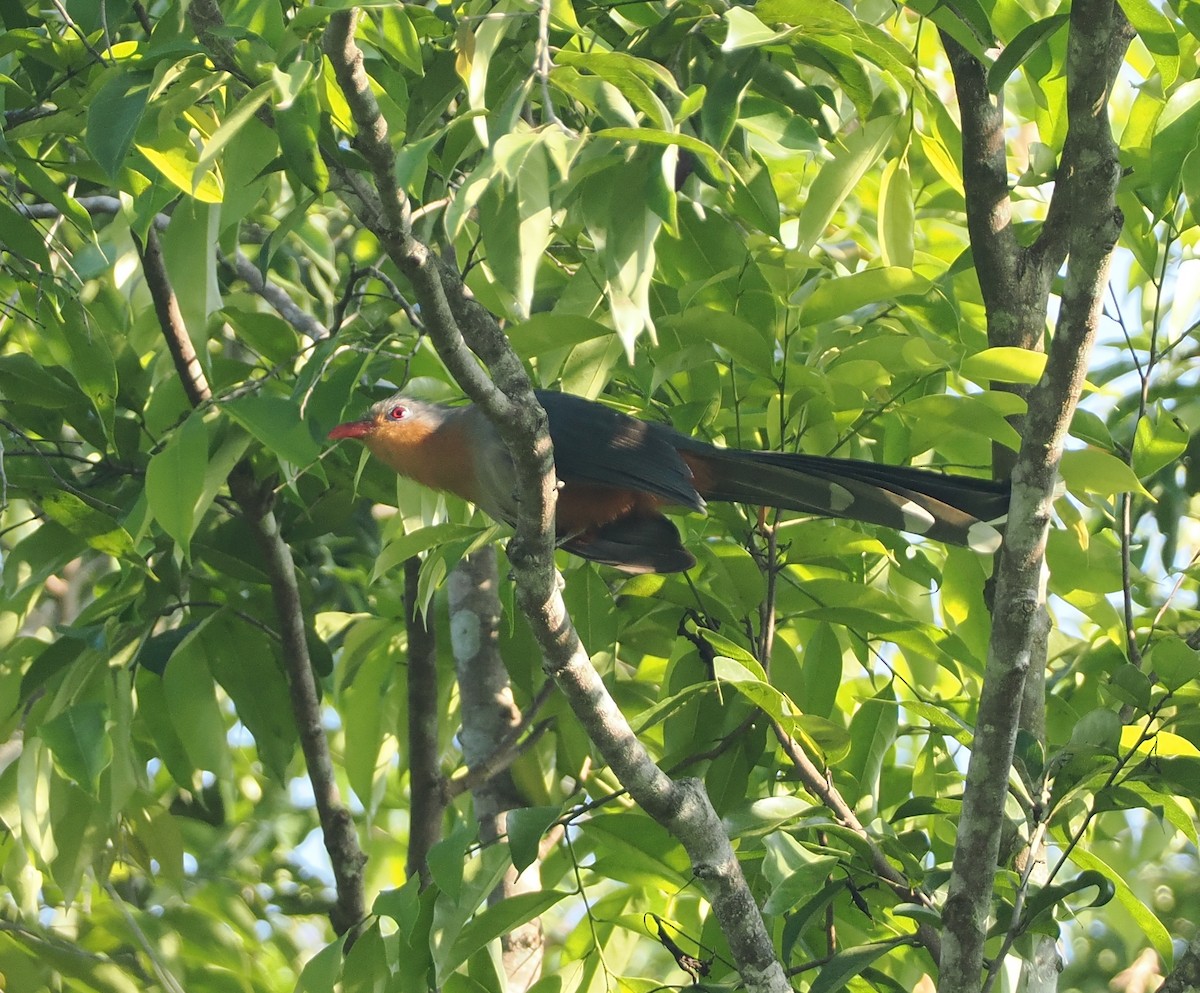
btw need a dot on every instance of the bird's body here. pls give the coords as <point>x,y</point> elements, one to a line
<point>618,473</point>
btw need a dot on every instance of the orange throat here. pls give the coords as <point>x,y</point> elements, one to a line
<point>435,455</point>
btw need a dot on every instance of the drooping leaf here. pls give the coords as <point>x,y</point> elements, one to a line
<point>498,919</point>
<point>77,740</point>
<point>1022,46</point>
<point>114,114</point>
<point>175,480</point>
<point>278,423</point>
<point>839,176</point>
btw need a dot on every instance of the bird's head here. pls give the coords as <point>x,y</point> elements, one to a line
<point>396,429</point>
<point>395,417</point>
<point>418,439</point>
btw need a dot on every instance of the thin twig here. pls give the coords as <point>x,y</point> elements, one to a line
<point>346,856</point>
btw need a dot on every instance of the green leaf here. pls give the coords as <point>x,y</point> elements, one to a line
<point>1150,925</point>
<point>745,30</point>
<point>793,872</point>
<point>366,968</point>
<point>192,705</point>
<point>79,743</point>
<point>1158,441</point>
<point>822,666</point>
<point>259,692</point>
<point>101,531</point>
<point>1089,470</point>
<point>1130,685</point>
<point>1158,35</point>
<point>405,42</point>
<point>241,115</point>
<point>320,973</point>
<point>498,919</point>
<point>298,126</point>
<point>1027,41</point>
<point>845,294</point>
<point>83,348</point>
<point>366,703</point>
<point>591,606</point>
<point>1098,729</point>
<point>641,845</point>
<point>401,904</point>
<point>872,734</point>
<point>965,21</point>
<point>896,214</point>
<point>815,733</point>
<point>541,333</point>
<point>525,827</point>
<point>738,337</point>
<point>268,334</point>
<point>114,114</point>
<point>637,80</point>
<point>1190,174</point>
<point>1163,805</point>
<point>175,480</point>
<point>24,380</point>
<point>415,542</point>
<point>1004,364</point>
<point>851,962</point>
<point>176,158</point>
<point>814,16</point>
<point>647,136</point>
<point>839,176</point>
<point>1175,135</point>
<point>164,736</point>
<point>1174,662</point>
<point>535,217</point>
<point>1044,900</point>
<point>278,423</point>
<point>480,874</point>
<point>21,236</point>
<point>448,862</point>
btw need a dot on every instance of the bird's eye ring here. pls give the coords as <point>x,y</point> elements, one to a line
<point>398,413</point>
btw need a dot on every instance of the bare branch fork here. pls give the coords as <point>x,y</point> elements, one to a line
<point>461,330</point>
<point>1082,224</point>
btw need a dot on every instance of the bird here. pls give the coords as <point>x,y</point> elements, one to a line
<point>617,473</point>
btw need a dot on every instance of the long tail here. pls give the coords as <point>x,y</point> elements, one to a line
<point>960,510</point>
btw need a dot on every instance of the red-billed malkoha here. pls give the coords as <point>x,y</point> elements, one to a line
<point>618,473</point>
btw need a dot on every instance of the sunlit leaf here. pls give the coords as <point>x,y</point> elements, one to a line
<point>1090,470</point>
<point>1157,442</point>
<point>1004,365</point>
<point>101,531</point>
<point>838,177</point>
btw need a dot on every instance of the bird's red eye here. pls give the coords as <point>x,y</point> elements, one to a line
<point>398,413</point>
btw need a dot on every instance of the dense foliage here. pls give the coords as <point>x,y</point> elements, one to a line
<point>749,221</point>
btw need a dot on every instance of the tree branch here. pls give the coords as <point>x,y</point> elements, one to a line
<point>489,717</point>
<point>426,788</point>
<point>829,795</point>
<point>998,257</point>
<point>337,827</point>
<point>284,305</point>
<point>1020,581</point>
<point>458,326</point>
<point>1185,977</point>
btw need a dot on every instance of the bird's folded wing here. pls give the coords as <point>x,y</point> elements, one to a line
<point>595,444</point>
